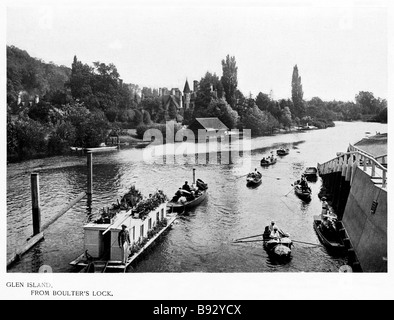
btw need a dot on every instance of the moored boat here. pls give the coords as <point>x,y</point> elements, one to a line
<point>330,239</point>
<point>310,172</point>
<point>144,221</point>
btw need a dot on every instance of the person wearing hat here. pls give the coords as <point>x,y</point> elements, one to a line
<point>271,226</point>
<point>124,242</point>
<point>324,207</point>
<point>275,233</point>
<point>186,187</point>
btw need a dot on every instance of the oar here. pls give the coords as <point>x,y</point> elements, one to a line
<point>314,244</point>
<point>258,240</point>
<point>289,191</point>
<point>242,176</point>
<point>257,235</point>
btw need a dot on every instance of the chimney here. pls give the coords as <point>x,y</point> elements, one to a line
<point>195,85</point>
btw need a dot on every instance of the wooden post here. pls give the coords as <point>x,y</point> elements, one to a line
<point>90,175</point>
<point>194,176</point>
<point>35,201</point>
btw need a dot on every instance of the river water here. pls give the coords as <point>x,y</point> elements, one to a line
<point>200,240</point>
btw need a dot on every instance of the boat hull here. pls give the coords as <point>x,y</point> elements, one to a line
<point>266,164</point>
<point>334,245</point>
<point>282,152</point>
<point>305,195</point>
<point>179,207</point>
<point>280,248</point>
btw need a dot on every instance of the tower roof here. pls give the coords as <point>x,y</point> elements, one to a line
<point>186,89</point>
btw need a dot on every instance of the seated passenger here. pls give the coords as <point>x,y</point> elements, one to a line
<point>275,233</point>
<point>186,186</point>
<point>267,233</point>
<point>179,192</point>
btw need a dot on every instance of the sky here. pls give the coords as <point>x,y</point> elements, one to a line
<point>340,48</point>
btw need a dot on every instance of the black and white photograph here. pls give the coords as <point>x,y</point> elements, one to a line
<point>221,150</point>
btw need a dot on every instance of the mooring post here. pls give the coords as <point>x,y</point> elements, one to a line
<point>194,176</point>
<point>35,200</point>
<point>90,175</point>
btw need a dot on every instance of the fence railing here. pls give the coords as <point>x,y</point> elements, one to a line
<point>347,163</point>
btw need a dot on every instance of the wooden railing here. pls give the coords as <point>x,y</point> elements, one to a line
<point>347,162</point>
<point>381,159</point>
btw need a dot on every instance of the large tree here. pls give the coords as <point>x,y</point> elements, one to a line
<point>209,89</point>
<point>222,110</point>
<point>297,94</point>
<point>263,100</point>
<point>368,103</point>
<point>229,79</point>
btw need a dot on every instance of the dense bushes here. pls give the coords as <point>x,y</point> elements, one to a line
<point>172,126</point>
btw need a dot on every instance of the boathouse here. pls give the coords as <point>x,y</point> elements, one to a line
<point>211,126</point>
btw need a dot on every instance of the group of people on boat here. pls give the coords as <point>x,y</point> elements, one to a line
<point>272,232</point>
<point>328,218</point>
<point>269,159</point>
<point>255,174</point>
<point>303,184</point>
<point>186,193</point>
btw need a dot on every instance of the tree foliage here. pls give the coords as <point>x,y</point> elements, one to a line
<point>229,79</point>
<point>297,94</point>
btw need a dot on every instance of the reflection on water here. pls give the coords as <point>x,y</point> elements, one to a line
<point>202,239</point>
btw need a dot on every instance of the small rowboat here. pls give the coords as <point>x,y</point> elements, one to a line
<point>282,151</point>
<point>331,240</point>
<point>303,193</point>
<point>281,248</point>
<point>310,172</point>
<point>267,162</point>
<point>253,178</point>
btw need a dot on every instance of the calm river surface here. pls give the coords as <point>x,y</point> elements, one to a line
<point>201,240</point>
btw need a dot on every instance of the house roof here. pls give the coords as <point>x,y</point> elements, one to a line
<point>171,99</point>
<point>374,145</point>
<point>212,124</point>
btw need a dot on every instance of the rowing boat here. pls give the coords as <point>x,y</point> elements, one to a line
<point>266,163</point>
<point>303,193</point>
<point>253,178</point>
<point>331,240</point>
<point>282,151</point>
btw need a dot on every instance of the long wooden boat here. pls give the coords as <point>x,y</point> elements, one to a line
<point>304,194</point>
<point>332,242</point>
<point>266,163</point>
<point>253,178</point>
<point>180,207</point>
<point>282,151</point>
